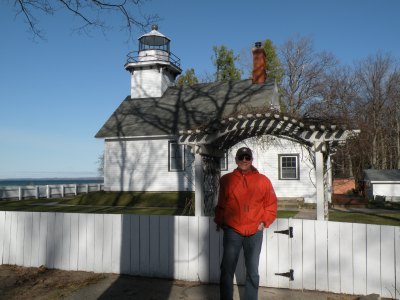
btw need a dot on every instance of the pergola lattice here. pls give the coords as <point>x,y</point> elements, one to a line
<point>210,141</point>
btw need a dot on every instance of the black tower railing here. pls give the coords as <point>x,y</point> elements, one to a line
<point>133,57</point>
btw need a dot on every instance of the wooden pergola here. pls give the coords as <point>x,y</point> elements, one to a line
<point>212,140</point>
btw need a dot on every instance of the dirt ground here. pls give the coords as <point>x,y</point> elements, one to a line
<point>41,283</point>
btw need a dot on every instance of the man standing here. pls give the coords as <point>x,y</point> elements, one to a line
<point>246,205</point>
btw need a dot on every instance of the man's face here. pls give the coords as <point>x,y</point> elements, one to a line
<point>244,162</point>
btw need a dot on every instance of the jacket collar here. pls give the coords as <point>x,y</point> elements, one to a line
<point>252,171</point>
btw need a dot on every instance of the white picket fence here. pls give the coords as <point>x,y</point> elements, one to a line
<point>47,191</point>
<point>327,256</point>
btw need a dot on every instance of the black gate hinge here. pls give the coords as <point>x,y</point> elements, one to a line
<point>287,274</point>
<point>289,232</point>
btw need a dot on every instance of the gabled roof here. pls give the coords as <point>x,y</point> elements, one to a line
<point>381,175</point>
<point>187,107</point>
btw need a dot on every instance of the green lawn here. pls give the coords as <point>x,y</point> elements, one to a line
<point>166,203</point>
<point>106,202</point>
<point>150,203</point>
<point>379,218</point>
<point>132,199</point>
<point>286,214</point>
<point>35,206</point>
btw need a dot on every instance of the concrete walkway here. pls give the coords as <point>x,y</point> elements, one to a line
<point>308,214</point>
<point>130,287</point>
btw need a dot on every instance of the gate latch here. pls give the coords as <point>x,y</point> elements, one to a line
<point>289,231</point>
<point>287,274</point>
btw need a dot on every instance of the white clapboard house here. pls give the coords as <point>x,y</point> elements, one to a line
<point>152,138</point>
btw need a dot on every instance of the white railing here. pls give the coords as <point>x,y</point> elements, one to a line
<point>327,256</point>
<point>47,191</point>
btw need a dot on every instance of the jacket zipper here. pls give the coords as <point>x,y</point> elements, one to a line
<point>246,205</point>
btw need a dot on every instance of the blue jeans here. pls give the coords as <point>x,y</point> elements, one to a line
<point>233,242</point>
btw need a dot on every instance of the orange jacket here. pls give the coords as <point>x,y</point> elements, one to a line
<point>245,200</point>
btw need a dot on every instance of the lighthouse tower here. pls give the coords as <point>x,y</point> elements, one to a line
<point>154,67</point>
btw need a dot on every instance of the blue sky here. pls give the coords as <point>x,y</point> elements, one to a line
<point>56,94</point>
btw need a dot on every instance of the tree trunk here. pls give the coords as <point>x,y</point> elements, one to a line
<point>383,153</point>
<point>398,143</point>
<point>350,164</point>
<point>373,151</point>
<point>343,166</point>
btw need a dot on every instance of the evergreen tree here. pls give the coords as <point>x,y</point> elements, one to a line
<point>189,78</point>
<point>224,61</point>
<point>273,64</point>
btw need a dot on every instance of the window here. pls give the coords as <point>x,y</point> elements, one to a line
<point>176,157</point>
<point>289,166</point>
<point>223,162</point>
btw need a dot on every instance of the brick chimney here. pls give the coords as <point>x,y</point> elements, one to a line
<point>259,74</point>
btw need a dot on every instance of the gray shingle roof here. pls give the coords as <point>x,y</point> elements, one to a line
<point>187,107</point>
<point>381,175</point>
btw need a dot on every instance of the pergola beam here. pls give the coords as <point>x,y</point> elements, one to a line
<point>259,125</point>
<point>213,140</point>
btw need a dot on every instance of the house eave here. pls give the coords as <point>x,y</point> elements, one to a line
<point>143,137</point>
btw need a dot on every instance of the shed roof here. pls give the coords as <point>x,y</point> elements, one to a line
<point>381,175</point>
<point>187,107</point>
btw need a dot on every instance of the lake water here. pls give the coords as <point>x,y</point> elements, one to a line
<point>49,181</point>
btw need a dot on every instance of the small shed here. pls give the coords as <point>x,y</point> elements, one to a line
<point>382,184</point>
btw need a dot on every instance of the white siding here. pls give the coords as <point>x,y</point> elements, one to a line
<point>386,189</point>
<point>146,83</point>
<point>142,165</point>
<point>167,79</point>
<point>149,83</point>
<point>266,161</point>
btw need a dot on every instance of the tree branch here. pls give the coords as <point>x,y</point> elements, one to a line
<point>90,12</point>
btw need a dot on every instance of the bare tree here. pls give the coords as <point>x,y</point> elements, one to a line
<point>338,95</point>
<point>366,98</point>
<point>375,76</point>
<point>394,117</point>
<point>93,14</point>
<point>338,105</point>
<point>303,71</point>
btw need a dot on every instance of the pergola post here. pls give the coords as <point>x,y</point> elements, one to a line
<point>319,176</point>
<point>328,196</point>
<point>198,184</point>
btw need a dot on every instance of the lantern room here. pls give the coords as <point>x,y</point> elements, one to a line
<point>154,40</point>
<point>153,67</point>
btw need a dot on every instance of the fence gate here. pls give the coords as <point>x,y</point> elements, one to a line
<point>299,254</point>
<point>277,260</point>
<point>276,267</point>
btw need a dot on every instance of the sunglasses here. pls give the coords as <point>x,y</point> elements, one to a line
<point>244,157</point>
